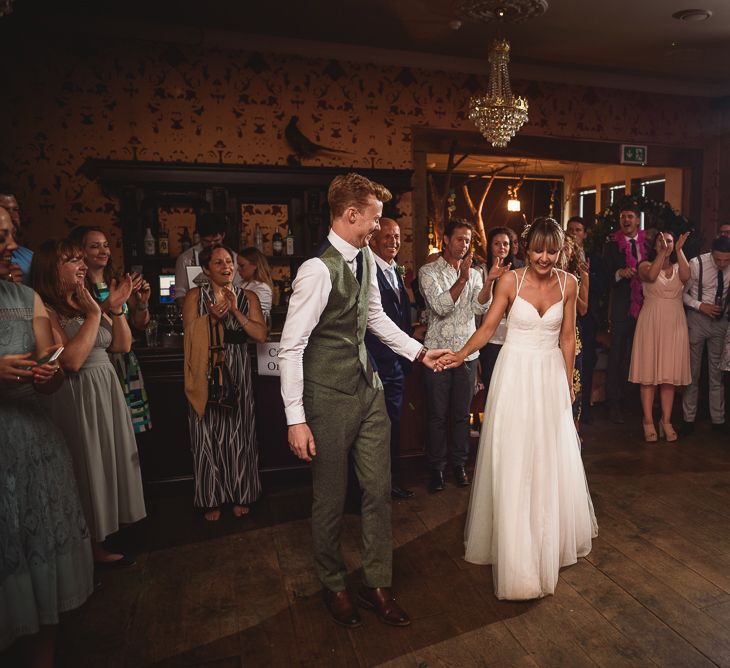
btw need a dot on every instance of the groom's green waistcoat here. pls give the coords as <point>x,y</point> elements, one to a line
<point>335,355</point>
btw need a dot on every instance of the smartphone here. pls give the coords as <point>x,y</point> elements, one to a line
<point>50,358</point>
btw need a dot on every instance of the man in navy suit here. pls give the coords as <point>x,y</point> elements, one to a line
<point>392,368</point>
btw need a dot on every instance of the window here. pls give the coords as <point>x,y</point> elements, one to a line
<point>587,204</point>
<point>610,192</point>
<point>652,188</point>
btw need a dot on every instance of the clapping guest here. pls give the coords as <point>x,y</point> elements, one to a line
<point>223,435</point>
<point>90,408</point>
<point>499,261</point>
<point>99,275</point>
<point>573,262</point>
<point>45,558</point>
<point>707,297</point>
<point>660,354</point>
<point>254,270</point>
<point>622,255</point>
<point>22,256</point>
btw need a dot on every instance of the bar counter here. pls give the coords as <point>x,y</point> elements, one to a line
<point>165,449</point>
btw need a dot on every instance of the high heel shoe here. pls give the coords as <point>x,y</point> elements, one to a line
<point>649,432</point>
<point>666,431</point>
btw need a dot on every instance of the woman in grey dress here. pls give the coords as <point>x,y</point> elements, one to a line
<point>45,557</point>
<point>90,408</point>
<point>223,440</point>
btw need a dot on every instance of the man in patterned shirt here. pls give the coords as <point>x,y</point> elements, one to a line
<point>454,294</point>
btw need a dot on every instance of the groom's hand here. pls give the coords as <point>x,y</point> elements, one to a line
<point>432,356</point>
<point>301,441</point>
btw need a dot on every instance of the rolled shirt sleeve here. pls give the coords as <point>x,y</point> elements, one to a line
<point>691,286</point>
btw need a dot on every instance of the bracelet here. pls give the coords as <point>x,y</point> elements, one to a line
<point>421,354</point>
<point>116,313</point>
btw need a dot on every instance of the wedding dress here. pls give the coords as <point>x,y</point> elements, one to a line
<point>530,511</point>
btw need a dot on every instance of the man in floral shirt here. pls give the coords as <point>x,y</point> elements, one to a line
<point>454,294</point>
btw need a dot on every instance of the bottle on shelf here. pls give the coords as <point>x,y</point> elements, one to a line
<point>149,243</point>
<point>277,243</point>
<point>185,240</point>
<point>258,238</point>
<point>163,242</point>
<point>290,242</point>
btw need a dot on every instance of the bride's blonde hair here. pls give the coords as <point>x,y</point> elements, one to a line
<point>544,233</point>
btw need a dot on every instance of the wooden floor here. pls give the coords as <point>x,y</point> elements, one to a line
<point>655,590</point>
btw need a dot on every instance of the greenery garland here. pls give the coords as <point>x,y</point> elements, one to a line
<point>659,216</point>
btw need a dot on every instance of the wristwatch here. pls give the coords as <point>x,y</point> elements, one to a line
<point>421,354</point>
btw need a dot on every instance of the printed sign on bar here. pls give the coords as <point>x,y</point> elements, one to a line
<point>267,355</point>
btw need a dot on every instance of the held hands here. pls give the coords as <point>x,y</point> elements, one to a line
<point>432,358</point>
<point>496,270</point>
<point>11,272</point>
<point>450,360</point>
<point>119,292</point>
<point>301,441</point>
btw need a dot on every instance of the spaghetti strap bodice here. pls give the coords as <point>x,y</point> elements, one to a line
<point>526,329</point>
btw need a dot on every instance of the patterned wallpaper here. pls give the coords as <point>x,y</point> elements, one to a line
<point>127,100</point>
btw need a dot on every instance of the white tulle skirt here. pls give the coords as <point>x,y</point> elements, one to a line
<point>530,511</point>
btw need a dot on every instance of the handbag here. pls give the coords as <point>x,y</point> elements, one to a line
<point>222,391</point>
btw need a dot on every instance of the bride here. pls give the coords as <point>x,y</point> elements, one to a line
<point>530,512</point>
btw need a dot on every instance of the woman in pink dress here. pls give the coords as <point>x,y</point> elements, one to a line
<point>660,355</point>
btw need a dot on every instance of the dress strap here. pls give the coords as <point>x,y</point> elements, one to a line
<point>519,280</point>
<point>563,282</point>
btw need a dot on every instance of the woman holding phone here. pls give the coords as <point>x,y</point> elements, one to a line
<point>90,408</point>
<point>99,275</point>
<point>45,561</point>
<point>223,438</point>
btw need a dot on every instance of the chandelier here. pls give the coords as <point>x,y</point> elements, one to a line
<point>498,114</point>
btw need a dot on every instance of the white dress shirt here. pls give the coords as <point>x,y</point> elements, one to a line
<point>709,282</point>
<point>310,294</point>
<point>389,270</point>
<point>265,295</point>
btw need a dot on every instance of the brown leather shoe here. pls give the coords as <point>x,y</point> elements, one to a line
<point>382,601</point>
<point>341,608</point>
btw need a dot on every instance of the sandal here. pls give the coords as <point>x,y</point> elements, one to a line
<point>666,431</point>
<point>649,432</point>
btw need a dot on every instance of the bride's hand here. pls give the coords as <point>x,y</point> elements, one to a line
<point>449,361</point>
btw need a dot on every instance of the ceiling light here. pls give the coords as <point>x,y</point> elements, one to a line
<point>498,113</point>
<point>693,15</point>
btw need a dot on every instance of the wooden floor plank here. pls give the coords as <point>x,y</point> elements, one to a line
<point>654,591</point>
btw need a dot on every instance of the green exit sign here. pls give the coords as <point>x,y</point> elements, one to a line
<point>633,155</point>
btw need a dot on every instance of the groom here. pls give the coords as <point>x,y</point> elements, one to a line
<point>334,400</point>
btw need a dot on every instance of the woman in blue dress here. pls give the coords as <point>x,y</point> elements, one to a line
<point>45,562</point>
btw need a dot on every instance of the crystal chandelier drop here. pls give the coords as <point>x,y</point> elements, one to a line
<point>498,114</point>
